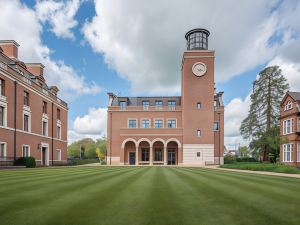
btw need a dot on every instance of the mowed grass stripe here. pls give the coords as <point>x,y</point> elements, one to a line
<point>37,197</point>
<point>250,199</point>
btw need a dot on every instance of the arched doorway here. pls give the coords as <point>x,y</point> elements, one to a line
<point>129,147</point>
<point>172,153</point>
<point>158,146</point>
<point>144,152</point>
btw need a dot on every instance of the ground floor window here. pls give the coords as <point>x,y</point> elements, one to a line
<point>26,151</point>
<point>2,150</point>
<point>145,154</point>
<point>58,154</point>
<point>158,155</point>
<point>298,152</point>
<point>287,152</point>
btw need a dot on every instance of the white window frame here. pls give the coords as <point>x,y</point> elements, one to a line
<point>47,127</point>
<point>199,105</point>
<point>298,152</point>
<point>175,123</point>
<point>285,152</point>
<point>298,124</point>
<point>28,146</point>
<point>136,123</point>
<point>58,151</point>
<point>198,133</point>
<point>142,123</point>
<point>58,135</point>
<point>1,86</point>
<point>5,148</point>
<point>288,106</point>
<point>218,126</point>
<point>4,105</point>
<point>29,121</point>
<point>285,127</point>
<point>162,123</point>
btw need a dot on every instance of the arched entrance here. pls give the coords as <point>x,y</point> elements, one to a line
<point>158,146</point>
<point>172,152</point>
<point>144,154</point>
<point>129,147</point>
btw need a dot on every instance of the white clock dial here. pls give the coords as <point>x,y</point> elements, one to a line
<point>199,69</point>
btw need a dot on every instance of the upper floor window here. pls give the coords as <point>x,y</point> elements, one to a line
<point>158,103</point>
<point>171,123</point>
<point>198,133</point>
<point>45,128</point>
<point>288,106</point>
<point>145,123</point>
<point>287,126</point>
<point>58,132</point>
<point>44,107</point>
<point>172,104</point>
<point>216,126</point>
<point>26,121</point>
<point>298,124</point>
<point>2,150</point>
<point>132,123</point>
<point>58,114</point>
<point>1,116</point>
<point>122,104</point>
<point>145,105</point>
<point>158,123</point>
<point>26,98</point>
<point>215,104</point>
<point>199,105</point>
<point>2,87</point>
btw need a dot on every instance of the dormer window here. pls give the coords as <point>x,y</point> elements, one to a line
<point>122,104</point>
<point>145,105</point>
<point>288,106</point>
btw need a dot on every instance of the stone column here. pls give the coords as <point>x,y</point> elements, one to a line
<point>165,155</point>
<point>137,155</point>
<point>151,156</point>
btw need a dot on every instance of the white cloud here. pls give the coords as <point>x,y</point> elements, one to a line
<point>74,136</point>
<point>144,42</point>
<point>26,30</point>
<point>60,15</point>
<point>93,123</point>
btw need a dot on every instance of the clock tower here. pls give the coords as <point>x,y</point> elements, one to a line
<point>198,97</point>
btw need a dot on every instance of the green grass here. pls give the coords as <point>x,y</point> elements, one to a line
<point>76,162</point>
<point>145,195</point>
<point>270,167</point>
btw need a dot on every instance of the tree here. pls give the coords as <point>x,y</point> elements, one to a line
<point>244,151</point>
<point>261,126</point>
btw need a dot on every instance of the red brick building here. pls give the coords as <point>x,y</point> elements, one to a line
<point>178,130</point>
<point>290,129</point>
<point>33,120</point>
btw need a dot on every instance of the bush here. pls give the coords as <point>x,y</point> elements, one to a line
<point>76,162</point>
<point>29,162</point>
<point>229,159</point>
<point>246,159</point>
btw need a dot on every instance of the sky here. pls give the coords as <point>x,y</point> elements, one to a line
<point>135,47</point>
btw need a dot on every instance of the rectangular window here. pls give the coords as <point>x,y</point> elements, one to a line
<point>216,126</point>
<point>45,128</point>
<point>199,105</point>
<point>2,87</point>
<point>145,123</point>
<point>287,126</point>
<point>298,152</point>
<point>159,123</point>
<point>44,107</point>
<point>198,154</point>
<point>287,152</point>
<point>171,123</point>
<point>26,151</point>
<point>298,124</point>
<point>198,133</point>
<point>146,105</point>
<point>158,103</point>
<point>1,116</point>
<point>122,104</point>
<point>132,123</point>
<point>145,154</point>
<point>26,123</point>
<point>58,114</point>
<point>58,154</point>
<point>2,150</point>
<point>158,155</point>
<point>26,98</point>
<point>58,132</point>
<point>172,104</point>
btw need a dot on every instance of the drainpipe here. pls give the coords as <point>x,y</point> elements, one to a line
<point>52,133</point>
<point>110,149</point>
<point>219,138</point>
<point>15,121</point>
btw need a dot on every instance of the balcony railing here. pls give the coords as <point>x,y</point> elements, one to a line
<point>145,108</point>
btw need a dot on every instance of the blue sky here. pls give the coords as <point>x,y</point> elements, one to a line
<point>135,48</point>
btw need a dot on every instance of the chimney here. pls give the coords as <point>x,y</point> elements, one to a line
<point>111,97</point>
<point>37,69</point>
<point>54,90</point>
<point>10,48</point>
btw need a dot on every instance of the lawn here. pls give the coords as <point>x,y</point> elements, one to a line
<point>257,166</point>
<point>145,195</point>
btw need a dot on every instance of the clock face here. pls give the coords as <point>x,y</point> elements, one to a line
<point>199,69</point>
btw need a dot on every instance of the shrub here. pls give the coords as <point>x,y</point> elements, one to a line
<point>29,162</point>
<point>229,159</point>
<point>246,159</point>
